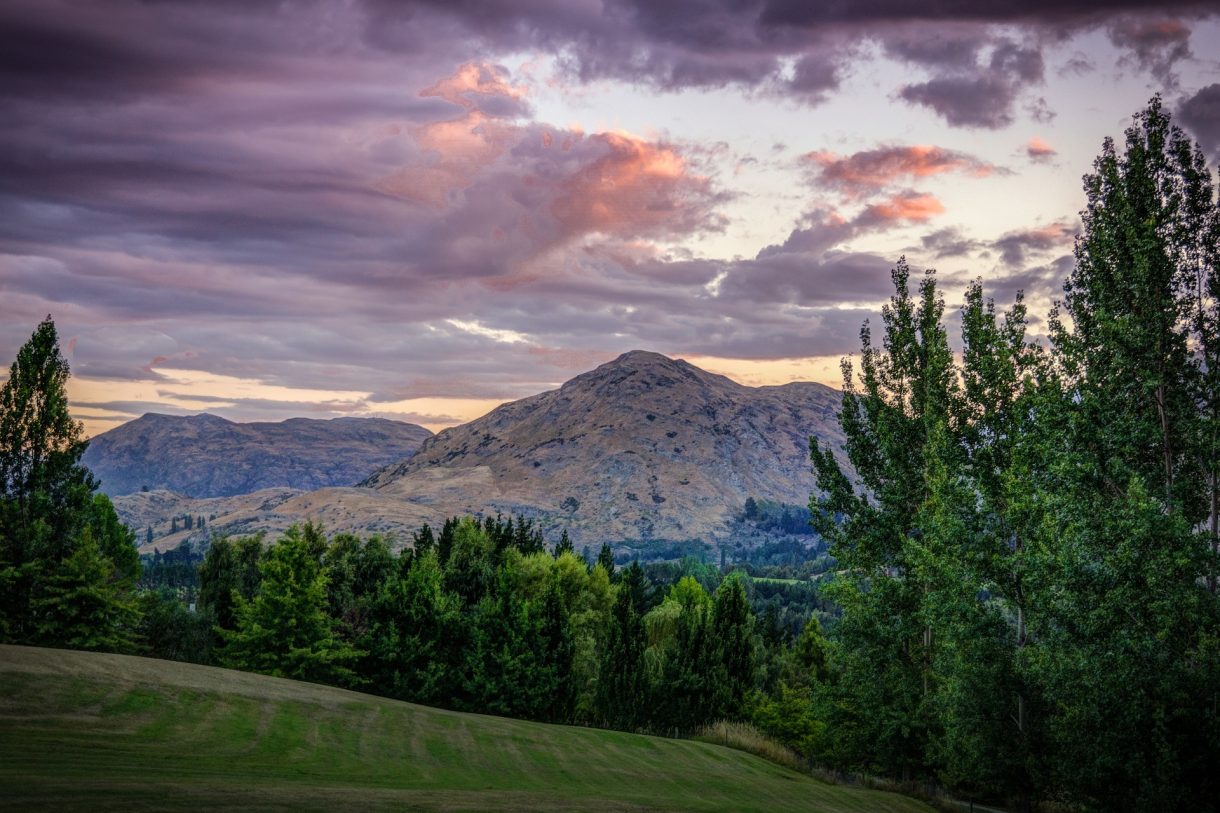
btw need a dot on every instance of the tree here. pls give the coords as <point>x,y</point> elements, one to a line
<point>416,637</point>
<point>605,558</point>
<point>85,603</point>
<point>904,397</point>
<point>691,687</point>
<point>564,545</point>
<point>733,628</point>
<point>1130,466</point>
<point>285,631</point>
<point>44,491</point>
<point>423,540</point>
<point>622,680</point>
<point>230,574</point>
<point>170,631</point>
<point>55,534</point>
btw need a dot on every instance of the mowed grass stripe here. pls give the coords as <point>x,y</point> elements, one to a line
<point>84,730</point>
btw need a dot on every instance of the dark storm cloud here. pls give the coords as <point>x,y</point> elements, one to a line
<point>1200,115</point>
<point>713,43</point>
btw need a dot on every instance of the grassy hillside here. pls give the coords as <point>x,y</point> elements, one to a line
<point>116,732</point>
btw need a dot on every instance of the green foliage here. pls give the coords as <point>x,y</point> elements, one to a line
<point>67,565</point>
<point>1028,605</point>
<point>284,630</point>
<point>171,631</point>
<point>622,681</point>
<point>229,573</point>
<point>733,629</point>
<point>416,637</point>
<point>605,558</point>
<point>85,603</point>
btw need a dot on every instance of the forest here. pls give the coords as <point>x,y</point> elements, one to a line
<point>1024,607</point>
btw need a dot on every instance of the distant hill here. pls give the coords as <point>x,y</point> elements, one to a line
<point>88,731</point>
<point>208,456</point>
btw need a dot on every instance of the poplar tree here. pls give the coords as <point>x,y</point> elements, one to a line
<point>904,396</point>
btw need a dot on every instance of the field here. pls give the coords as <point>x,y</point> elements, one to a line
<point>81,730</point>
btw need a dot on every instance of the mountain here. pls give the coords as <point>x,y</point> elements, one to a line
<point>642,448</point>
<point>645,452</point>
<point>208,456</point>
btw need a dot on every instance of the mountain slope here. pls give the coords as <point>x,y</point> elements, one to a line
<point>87,731</point>
<point>642,448</point>
<point>208,456</point>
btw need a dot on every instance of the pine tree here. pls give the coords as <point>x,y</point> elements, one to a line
<point>416,636</point>
<point>733,628</point>
<point>422,540</point>
<point>285,631</point>
<point>564,545</point>
<point>605,558</point>
<point>44,491</point>
<point>622,681</point>
<point>85,604</point>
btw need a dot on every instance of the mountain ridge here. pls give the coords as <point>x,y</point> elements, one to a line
<point>205,455</point>
<point>640,451</point>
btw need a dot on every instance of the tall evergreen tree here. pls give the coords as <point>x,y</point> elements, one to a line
<point>605,558</point>
<point>228,575</point>
<point>733,628</point>
<point>85,603</point>
<point>622,681</point>
<point>417,637</point>
<point>285,630</point>
<point>564,545</point>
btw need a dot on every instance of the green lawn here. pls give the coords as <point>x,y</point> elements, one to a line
<point>83,730</point>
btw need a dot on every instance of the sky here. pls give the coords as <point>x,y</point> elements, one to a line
<point>420,210</point>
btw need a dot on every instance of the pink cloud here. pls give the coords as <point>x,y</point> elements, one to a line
<point>635,187</point>
<point>907,207</point>
<point>870,170</point>
<point>473,80</point>
<point>1039,150</point>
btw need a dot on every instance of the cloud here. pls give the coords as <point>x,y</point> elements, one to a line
<point>1155,45</point>
<point>317,197</point>
<point>906,207</point>
<point>870,170</point>
<point>483,87</point>
<point>980,95</point>
<point>949,242</point>
<point>1200,114</point>
<point>1039,151</point>
<point>1015,246</point>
